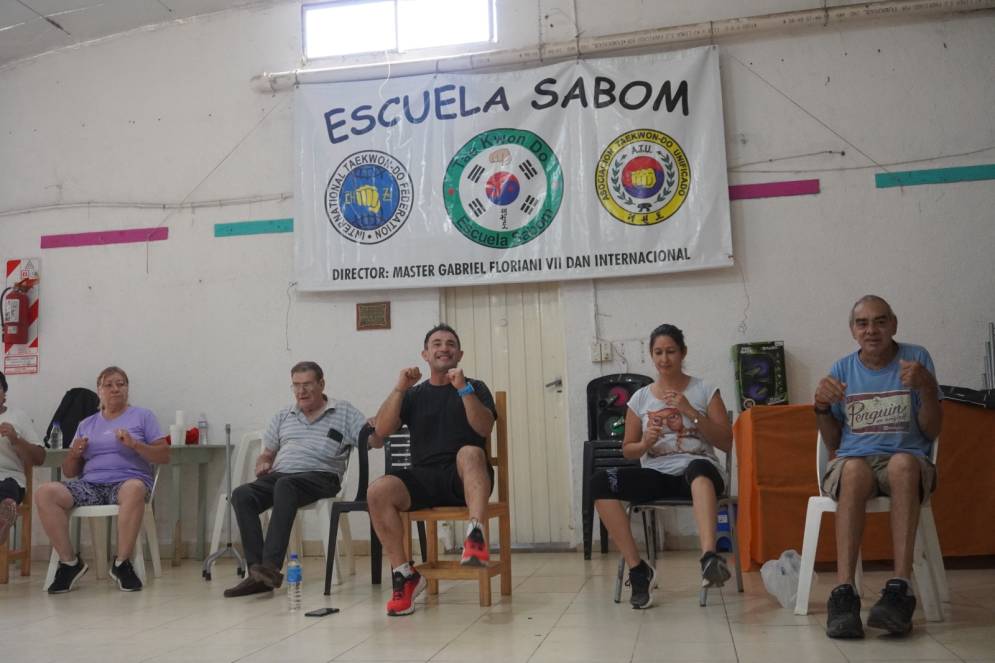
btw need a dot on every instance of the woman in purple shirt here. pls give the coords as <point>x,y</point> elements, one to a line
<point>109,462</point>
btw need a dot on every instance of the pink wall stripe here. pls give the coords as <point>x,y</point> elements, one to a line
<point>773,189</point>
<point>128,236</point>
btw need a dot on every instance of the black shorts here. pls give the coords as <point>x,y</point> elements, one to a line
<point>10,488</point>
<point>435,485</point>
<point>641,484</point>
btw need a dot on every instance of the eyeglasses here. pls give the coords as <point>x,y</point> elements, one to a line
<point>302,386</point>
<point>119,385</point>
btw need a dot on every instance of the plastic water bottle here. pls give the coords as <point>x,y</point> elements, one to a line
<point>294,581</point>
<point>202,429</point>
<point>55,437</point>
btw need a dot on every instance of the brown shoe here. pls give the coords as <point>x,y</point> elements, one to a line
<point>266,573</point>
<point>247,587</point>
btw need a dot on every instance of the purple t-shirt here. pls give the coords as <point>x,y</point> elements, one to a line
<point>106,460</point>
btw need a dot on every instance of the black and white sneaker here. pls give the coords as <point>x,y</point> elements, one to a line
<point>127,579</point>
<point>893,611</point>
<point>714,571</point>
<point>641,579</point>
<point>66,576</point>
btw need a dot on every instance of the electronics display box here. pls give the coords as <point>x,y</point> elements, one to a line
<point>761,375</point>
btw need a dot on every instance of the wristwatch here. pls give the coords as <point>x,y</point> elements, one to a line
<point>465,390</point>
<point>823,411</point>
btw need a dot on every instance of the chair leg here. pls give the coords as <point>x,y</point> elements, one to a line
<point>53,565</point>
<point>350,554</point>
<point>433,552</point>
<point>735,549</point>
<point>858,574</point>
<point>504,531</point>
<point>406,527</point>
<point>331,542</point>
<point>934,553</point>
<point>618,580</point>
<point>5,563</point>
<point>929,595</point>
<point>98,539</point>
<point>25,543</point>
<point>484,576</point>
<point>376,558</point>
<point>421,540</point>
<point>152,536</point>
<point>138,559</point>
<point>813,522</point>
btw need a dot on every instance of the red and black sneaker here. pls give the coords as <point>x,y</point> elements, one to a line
<point>405,591</point>
<point>475,551</point>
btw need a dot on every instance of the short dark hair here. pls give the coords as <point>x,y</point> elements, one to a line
<point>870,298</point>
<point>444,328</point>
<point>3,381</point>
<point>671,331</point>
<point>305,366</point>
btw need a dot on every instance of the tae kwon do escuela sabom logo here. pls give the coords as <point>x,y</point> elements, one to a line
<point>642,177</point>
<point>369,197</point>
<point>503,188</point>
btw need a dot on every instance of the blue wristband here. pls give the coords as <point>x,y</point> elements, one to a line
<point>466,390</point>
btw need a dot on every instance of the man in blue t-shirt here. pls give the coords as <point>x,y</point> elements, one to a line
<point>879,409</point>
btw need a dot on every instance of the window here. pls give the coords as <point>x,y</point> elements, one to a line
<point>347,27</point>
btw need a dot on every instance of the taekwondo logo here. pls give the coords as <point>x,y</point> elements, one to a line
<point>642,177</point>
<point>369,197</point>
<point>503,188</point>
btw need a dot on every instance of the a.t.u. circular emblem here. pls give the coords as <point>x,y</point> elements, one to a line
<point>369,197</point>
<point>642,177</point>
<point>503,188</point>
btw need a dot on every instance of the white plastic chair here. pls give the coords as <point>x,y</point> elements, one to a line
<point>927,561</point>
<point>99,516</point>
<point>250,447</point>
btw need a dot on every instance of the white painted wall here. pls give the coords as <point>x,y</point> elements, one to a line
<point>205,324</point>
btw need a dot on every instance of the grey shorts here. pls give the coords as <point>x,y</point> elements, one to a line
<point>94,494</point>
<point>879,468</point>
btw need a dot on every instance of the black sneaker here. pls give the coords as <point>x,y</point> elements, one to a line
<point>127,579</point>
<point>66,576</point>
<point>893,611</point>
<point>844,614</point>
<point>714,571</point>
<point>641,580</point>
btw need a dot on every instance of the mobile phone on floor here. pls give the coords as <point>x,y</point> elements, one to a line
<point>321,612</point>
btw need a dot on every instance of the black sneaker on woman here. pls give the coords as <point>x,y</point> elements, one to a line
<point>641,580</point>
<point>127,579</point>
<point>66,576</point>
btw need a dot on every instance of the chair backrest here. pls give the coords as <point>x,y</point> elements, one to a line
<point>76,405</point>
<point>398,447</point>
<point>363,453</point>
<point>822,458</point>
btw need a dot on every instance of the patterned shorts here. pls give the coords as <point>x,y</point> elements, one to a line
<point>86,493</point>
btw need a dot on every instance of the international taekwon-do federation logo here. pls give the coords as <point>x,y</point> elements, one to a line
<point>503,188</point>
<point>642,177</point>
<point>369,197</point>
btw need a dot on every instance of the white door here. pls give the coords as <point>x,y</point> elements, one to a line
<point>513,340</point>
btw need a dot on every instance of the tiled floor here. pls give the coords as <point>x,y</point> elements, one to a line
<point>561,610</point>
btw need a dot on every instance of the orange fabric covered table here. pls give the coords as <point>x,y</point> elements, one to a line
<point>775,451</point>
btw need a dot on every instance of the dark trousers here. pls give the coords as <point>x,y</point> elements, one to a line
<point>284,493</point>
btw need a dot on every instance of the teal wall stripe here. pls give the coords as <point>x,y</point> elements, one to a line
<point>254,227</point>
<point>936,176</point>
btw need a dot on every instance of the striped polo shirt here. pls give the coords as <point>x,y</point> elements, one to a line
<point>319,446</point>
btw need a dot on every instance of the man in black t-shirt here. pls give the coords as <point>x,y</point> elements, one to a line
<point>450,418</point>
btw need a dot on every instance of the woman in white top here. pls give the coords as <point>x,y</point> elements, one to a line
<point>20,451</point>
<point>673,427</point>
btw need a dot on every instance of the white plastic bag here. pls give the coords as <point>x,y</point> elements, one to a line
<point>780,577</point>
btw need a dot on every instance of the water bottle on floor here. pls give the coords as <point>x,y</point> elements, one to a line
<point>294,581</point>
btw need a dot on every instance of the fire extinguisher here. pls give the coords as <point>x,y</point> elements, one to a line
<point>15,312</point>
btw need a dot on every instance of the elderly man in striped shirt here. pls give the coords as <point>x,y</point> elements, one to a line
<point>305,454</point>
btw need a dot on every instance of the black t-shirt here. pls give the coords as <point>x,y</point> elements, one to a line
<point>436,418</point>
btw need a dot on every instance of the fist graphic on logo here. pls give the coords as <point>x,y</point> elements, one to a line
<point>644,177</point>
<point>368,196</point>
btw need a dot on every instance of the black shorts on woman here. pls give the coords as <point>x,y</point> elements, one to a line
<point>642,484</point>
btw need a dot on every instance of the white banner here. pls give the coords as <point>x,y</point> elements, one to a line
<point>585,169</point>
